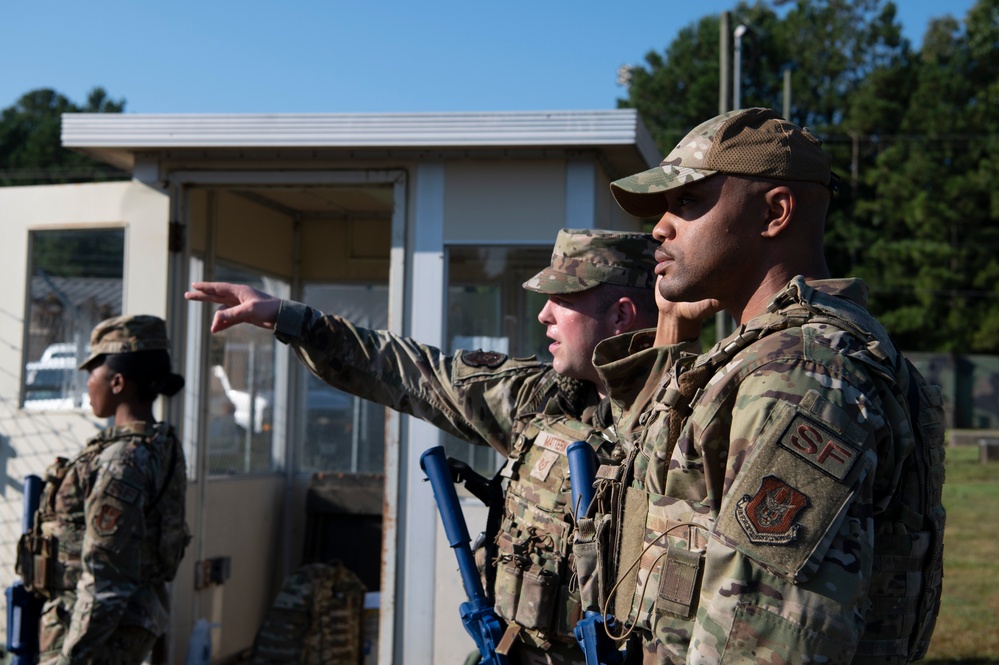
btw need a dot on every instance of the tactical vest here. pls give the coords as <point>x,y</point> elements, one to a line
<point>316,619</point>
<point>639,572</point>
<point>49,555</point>
<point>534,587</point>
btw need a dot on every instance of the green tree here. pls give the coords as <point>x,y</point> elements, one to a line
<point>830,46</point>
<point>30,148</point>
<point>914,136</point>
<point>676,89</point>
<point>932,204</point>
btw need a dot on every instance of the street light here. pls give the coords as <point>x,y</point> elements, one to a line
<point>723,322</point>
<point>740,30</point>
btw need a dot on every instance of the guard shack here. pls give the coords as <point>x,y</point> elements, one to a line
<point>423,224</point>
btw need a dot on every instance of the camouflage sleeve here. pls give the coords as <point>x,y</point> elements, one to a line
<point>115,522</point>
<point>470,395</point>
<point>781,457</point>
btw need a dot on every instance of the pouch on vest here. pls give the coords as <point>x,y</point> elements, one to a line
<point>510,564</point>
<point>589,550</point>
<point>36,557</point>
<point>538,592</point>
<point>37,553</point>
<point>661,558</point>
<point>526,588</point>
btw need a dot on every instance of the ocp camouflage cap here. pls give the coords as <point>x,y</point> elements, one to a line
<point>126,334</point>
<point>584,258</point>
<point>752,142</point>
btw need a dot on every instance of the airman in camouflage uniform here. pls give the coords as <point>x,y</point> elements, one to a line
<point>110,528</point>
<point>599,284</point>
<point>776,504</point>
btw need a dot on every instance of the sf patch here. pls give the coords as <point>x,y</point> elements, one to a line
<point>819,446</point>
<point>490,359</point>
<point>771,515</point>
<point>106,520</point>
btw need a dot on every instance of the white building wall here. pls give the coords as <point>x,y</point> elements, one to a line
<point>482,195</point>
<point>33,440</point>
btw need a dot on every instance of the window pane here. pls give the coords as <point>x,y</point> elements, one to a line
<point>488,308</point>
<point>342,432</point>
<point>75,282</point>
<point>241,389</point>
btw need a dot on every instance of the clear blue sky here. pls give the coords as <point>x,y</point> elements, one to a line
<point>318,56</point>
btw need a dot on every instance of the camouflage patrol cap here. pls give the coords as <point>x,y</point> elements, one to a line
<point>751,142</point>
<point>125,334</point>
<point>584,258</point>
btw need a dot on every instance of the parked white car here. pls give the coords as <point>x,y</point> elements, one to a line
<point>53,383</point>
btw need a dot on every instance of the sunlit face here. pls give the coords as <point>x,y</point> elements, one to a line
<point>576,322</point>
<point>708,241</point>
<point>103,398</point>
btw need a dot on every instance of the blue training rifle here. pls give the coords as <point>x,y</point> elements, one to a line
<point>477,613</point>
<point>596,644</point>
<point>23,607</point>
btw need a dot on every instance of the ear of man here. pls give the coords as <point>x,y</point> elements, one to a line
<point>781,204</point>
<point>794,216</point>
<point>623,315</point>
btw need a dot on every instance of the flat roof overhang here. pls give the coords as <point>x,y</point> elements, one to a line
<point>619,134</point>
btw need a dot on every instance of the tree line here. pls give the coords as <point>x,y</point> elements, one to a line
<point>31,151</point>
<point>913,133</point>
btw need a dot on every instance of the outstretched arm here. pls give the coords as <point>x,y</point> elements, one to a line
<point>240,303</point>
<point>470,402</point>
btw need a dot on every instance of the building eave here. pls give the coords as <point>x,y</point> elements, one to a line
<point>116,138</point>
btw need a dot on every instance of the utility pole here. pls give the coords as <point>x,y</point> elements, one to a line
<point>724,78</point>
<point>740,30</point>
<point>787,93</point>
<point>722,318</point>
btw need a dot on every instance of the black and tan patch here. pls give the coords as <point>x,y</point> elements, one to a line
<point>490,359</point>
<point>122,491</point>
